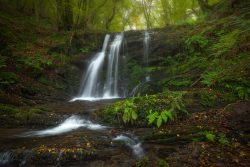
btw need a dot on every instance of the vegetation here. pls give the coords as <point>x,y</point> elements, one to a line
<point>193,111</point>
<point>152,109</point>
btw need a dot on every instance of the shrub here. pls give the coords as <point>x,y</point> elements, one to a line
<point>196,43</point>
<point>153,109</point>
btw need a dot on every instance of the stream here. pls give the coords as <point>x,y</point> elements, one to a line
<point>78,137</point>
<point>112,145</point>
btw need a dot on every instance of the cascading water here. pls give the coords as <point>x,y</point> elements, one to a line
<point>5,158</point>
<point>72,123</point>
<point>89,86</point>
<point>92,87</point>
<point>133,143</point>
<point>111,85</point>
<point>146,43</point>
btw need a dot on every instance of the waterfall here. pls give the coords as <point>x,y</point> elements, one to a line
<point>92,77</point>
<point>146,52</point>
<point>93,88</point>
<point>111,85</point>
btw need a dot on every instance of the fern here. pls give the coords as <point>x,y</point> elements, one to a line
<point>159,118</point>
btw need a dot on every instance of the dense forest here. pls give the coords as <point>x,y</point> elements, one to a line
<point>137,83</point>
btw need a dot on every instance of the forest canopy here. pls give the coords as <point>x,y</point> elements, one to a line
<point>112,15</point>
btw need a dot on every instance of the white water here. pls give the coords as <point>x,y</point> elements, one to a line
<point>89,88</point>
<point>5,158</point>
<point>72,123</point>
<point>132,143</point>
<point>146,52</point>
<point>92,88</point>
<point>111,84</point>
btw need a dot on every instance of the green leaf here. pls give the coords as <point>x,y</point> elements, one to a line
<point>125,117</point>
<point>152,117</point>
<point>134,115</point>
<point>164,116</point>
<point>210,136</point>
<point>159,122</point>
<point>169,114</point>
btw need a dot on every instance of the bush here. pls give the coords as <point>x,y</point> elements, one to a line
<point>153,109</point>
<point>196,43</point>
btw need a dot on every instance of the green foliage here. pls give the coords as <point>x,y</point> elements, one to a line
<point>226,42</point>
<point>153,109</point>
<point>8,78</point>
<point>85,50</point>
<point>129,111</point>
<point>137,72</point>
<point>188,63</point>
<point>159,118</point>
<point>210,136</point>
<point>62,58</point>
<point>208,98</point>
<point>210,77</point>
<point>223,139</point>
<point>183,82</point>
<point>142,162</point>
<point>196,43</point>
<point>8,110</point>
<point>242,92</point>
<point>37,62</point>
<point>162,163</point>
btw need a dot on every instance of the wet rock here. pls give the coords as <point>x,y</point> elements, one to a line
<point>240,115</point>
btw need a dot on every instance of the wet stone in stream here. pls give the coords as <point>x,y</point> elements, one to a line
<point>74,140</point>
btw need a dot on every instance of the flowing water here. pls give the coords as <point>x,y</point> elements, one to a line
<point>93,88</point>
<point>18,149</point>
<point>111,84</point>
<point>101,81</point>
<point>131,142</point>
<point>146,44</point>
<point>89,87</point>
<point>72,123</point>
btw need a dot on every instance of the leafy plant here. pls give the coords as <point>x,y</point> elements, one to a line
<point>159,118</point>
<point>226,42</point>
<point>129,112</point>
<point>196,42</point>
<point>210,136</point>
<point>84,50</point>
<point>142,162</point>
<point>208,98</point>
<point>37,62</point>
<point>138,110</point>
<point>242,92</point>
<point>162,163</point>
<point>209,78</point>
<point>223,139</point>
<point>8,78</point>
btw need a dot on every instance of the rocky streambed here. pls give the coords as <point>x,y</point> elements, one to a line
<point>212,138</point>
